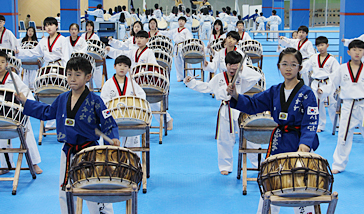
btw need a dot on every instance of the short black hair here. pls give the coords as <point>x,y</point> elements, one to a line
<point>256,10</point>
<point>123,7</point>
<point>142,34</point>
<point>156,6</point>
<point>4,55</point>
<point>182,18</point>
<point>235,35</point>
<point>274,12</point>
<point>321,39</point>
<point>233,57</point>
<point>79,64</point>
<point>261,13</point>
<point>151,20</point>
<point>235,13</point>
<point>303,28</point>
<point>99,6</point>
<point>75,24</point>
<point>356,43</point>
<point>132,33</point>
<point>50,21</point>
<point>132,9</point>
<point>28,15</point>
<point>188,10</point>
<point>240,22</point>
<point>123,59</point>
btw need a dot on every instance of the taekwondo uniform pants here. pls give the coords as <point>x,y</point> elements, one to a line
<point>273,36</point>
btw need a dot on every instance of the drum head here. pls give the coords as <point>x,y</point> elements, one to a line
<point>258,128</point>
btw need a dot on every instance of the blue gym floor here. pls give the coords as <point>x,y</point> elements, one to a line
<point>184,175</point>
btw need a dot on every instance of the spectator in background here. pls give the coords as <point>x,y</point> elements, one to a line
<point>26,22</point>
<point>58,18</point>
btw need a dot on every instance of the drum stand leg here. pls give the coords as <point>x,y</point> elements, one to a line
<point>337,115</point>
<point>164,102</point>
<point>240,154</point>
<point>69,199</point>
<point>147,143</point>
<point>144,168</point>
<point>79,205</point>
<point>245,176</point>
<point>41,131</point>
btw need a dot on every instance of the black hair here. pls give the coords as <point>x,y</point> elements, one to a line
<point>261,13</point>
<point>50,21</point>
<point>142,34</point>
<point>115,9</point>
<point>133,10</point>
<point>182,18</point>
<point>233,57</point>
<point>174,10</point>
<point>293,33</point>
<point>99,6</point>
<point>104,11</point>
<point>123,59</point>
<point>235,13</point>
<point>205,11</point>
<point>228,8</point>
<point>239,17</point>
<point>4,54</point>
<point>28,15</point>
<point>235,35</point>
<point>119,9</point>
<point>77,26</point>
<point>274,12</point>
<point>122,18</point>
<point>156,6</point>
<point>123,7</point>
<point>156,22</point>
<point>92,24</point>
<point>180,8</point>
<point>356,43</point>
<point>132,27</point>
<point>58,14</point>
<point>239,22</point>
<point>79,64</point>
<point>293,52</point>
<point>320,40</point>
<point>223,9</point>
<point>218,22</point>
<point>34,37</point>
<point>303,28</point>
<point>256,10</point>
<point>110,11</point>
<point>188,10</point>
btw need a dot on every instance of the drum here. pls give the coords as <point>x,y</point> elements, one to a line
<point>253,49</point>
<point>162,24</point>
<point>195,25</point>
<point>96,49</point>
<point>50,80</point>
<point>105,168</point>
<point>153,79</point>
<point>160,38</point>
<point>192,51</point>
<point>216,45</point>
<point>130,111</point>
<point>258,127</point>
<point>296,174</point>
<point>11,113</point>
<point>13,62</point>
<point>88,57</point>
<point>260,86</point>
<point>163,45</point>
<point>31,64</point>
<point>164,59</point>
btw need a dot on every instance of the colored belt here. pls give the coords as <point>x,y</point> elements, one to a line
<point>231,123</point>
<point>73,149</point>
<point>176,45</point>
<point>284,129</point>
<point>349,119</point>
<point>322,80</point>
<point>55,61</point>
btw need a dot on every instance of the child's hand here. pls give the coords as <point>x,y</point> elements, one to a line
<point>205,63</point>
<point>303,148</point>
<point>231,90</point>
<point>343,40</point>
<point>116,142</point>
<point>281,37</point>
<point>21,98</point>
<point>187,79</point>
<point>110,38</point>
<point>107,48</point>
<point>319,91</point>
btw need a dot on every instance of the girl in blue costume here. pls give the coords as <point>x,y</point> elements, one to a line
<point>293,107</point>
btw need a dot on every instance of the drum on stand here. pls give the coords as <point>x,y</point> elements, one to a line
<point>216,45</point>
<point>162,24</point>
<point>296,174</point>
<point>11,113</point>
<point>13,62</point>
<point>50,80</point>
<point>159,44</point>
<point>88,57</point>
<point>192,51</point>
<point>31,64</point>
<point>253,49</point>
<point>195,26</point>
<point>96,49</point>
<point>154,79</point>
<point>164,59</point>
<point>130,111</point>
<point>260,86</point>
<point>262,125</point>
<point>105,168</point>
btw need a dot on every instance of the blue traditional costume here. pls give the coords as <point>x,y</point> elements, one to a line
<point>297,117</point>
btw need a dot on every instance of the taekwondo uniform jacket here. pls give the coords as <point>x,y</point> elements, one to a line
<point>218,61</point>
<point>127,45</point>
<point>347,42</point>
<point>8,40</point>
<point>99,13</point>
<point>306,48</point>
<point>244,37</point>
<point>299,113</point>
<point>79,46</point>
<point>59,50</point>
<point>93,36</point>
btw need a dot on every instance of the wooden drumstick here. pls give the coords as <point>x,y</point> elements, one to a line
<point>99,133</point>
<point>12,77</point>
<point>194,77</point>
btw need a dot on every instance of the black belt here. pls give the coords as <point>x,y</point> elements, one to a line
<point>284,129</point>
<point>322,80</point>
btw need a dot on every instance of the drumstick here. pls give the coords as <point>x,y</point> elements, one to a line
<point>194,77</point>
<point>99,133</point>
<point>12,78</point>
<point>237,71</point>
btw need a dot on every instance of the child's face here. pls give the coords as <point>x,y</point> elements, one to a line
<point>356,53</point>
<point>121,69</point>
<point>217,27</point>
<point>302,35</point>
<point>3,65</point>
<point>294,35</point>
<point>181,23</point>
<point>232,68</point>
<point>73,31</point>
<point>322,48</point>
<point>240,27</point>
<point>77,79</point>
<point>30,32</point>
<point>2,23</point>
<point>153,25</point>
<point>230,42</point>
<point>141,41</point>
<point>89,28</point>
<point>137,28</point>
<point>51,28</point>
<point>289,67</point>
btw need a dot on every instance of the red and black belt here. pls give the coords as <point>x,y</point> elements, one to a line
<point>284,129</point>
